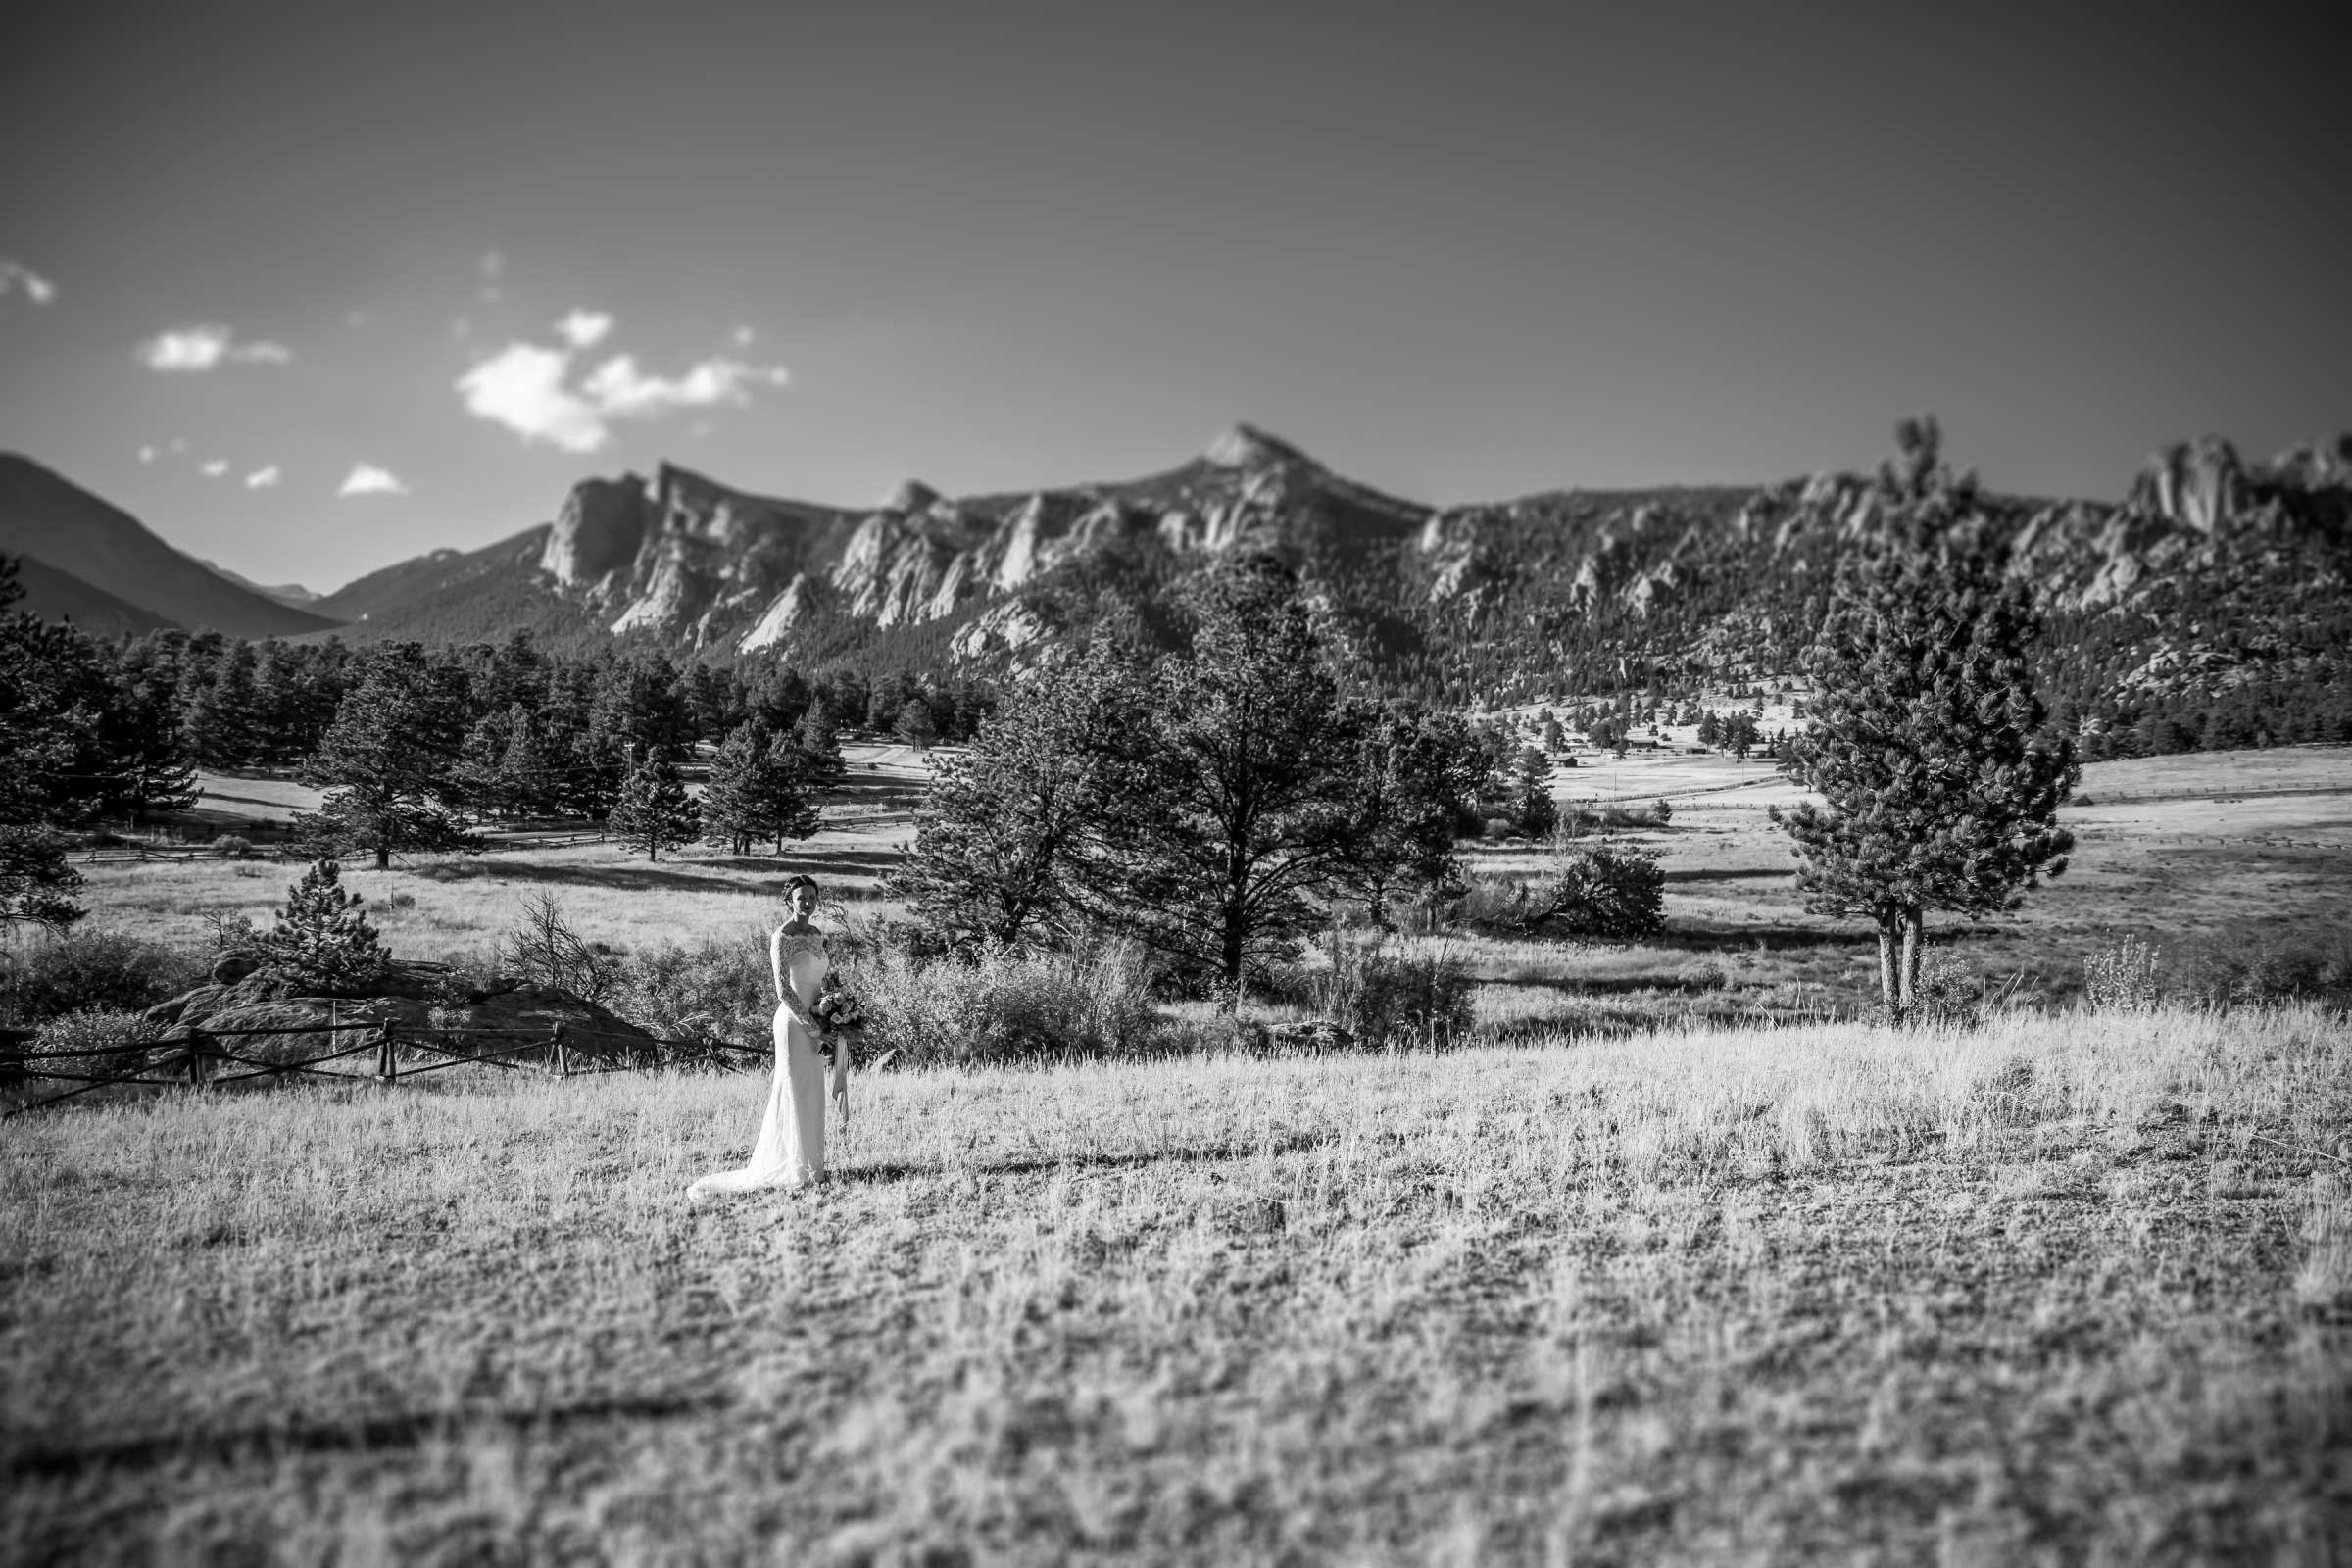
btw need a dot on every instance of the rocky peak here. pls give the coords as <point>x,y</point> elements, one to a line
<point>911,495</point>
<point>2199,487</point>
<point>1246,446</point>
<point>599,528</point>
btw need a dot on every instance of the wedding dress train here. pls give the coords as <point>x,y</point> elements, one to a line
<point>791,1150</point>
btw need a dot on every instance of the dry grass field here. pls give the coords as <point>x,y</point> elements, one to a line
<point>2239,848</point>
<point>2067,1288</point>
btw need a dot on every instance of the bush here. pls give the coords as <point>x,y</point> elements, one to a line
<point>105,1031</point>
<point>1420,995</point>
<point>1662,813</point>
<point>714,989</point>
<point>1606,892</point>
<point>232,847</point>
<point>1005,1007</point>
<point>110,970</point>
<point>2267,966</point>
<point>542,948</point>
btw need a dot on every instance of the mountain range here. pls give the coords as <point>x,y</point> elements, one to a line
<point>2207,563</point>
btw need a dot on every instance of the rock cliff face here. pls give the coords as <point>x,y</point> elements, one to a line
<point>1717,574</point>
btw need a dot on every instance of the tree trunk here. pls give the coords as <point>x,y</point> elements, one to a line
<point>1915,921</point>
<point>383,856</point>
<point>1889,981</point>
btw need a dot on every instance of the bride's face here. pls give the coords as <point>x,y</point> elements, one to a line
<point>801,902</point>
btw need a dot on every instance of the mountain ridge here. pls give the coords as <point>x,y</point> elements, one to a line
<point>47,516</point>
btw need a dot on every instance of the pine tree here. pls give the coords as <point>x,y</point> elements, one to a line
<point>756,791</point>
<point>819,744</point>
<point>528,782</point>
<point>36,884</point>
<point>322,938</point>
<point>655,813</point>
<point>389,761</point>
<point>1228,810</point>
<point>1004,827</point>
<point>1417,774</point>
<point>914,724</point>
<point>1536,812</point>
<point>1928,743</point>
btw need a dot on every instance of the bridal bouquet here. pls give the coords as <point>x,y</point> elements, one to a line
<point>839,1013</point>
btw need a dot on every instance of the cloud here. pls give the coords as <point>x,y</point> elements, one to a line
<point>214,468</point>
<point>521,387</point>
<point>493,266</point>
<point>202,348</point>
<point>146,454</point>
<point>584,329</point>
<point>15,276</point>
<point>366,479</point>
<point>745,336</point>
<point>531,390</point>
<point>622,391</point>
<point>262,479</point>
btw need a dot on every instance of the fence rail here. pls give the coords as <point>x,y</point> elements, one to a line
<point>192,1056</point>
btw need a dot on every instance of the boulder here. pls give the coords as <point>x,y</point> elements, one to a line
<point>415,1000</point>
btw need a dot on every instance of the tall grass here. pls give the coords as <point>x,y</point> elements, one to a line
<point>1007,1006</point>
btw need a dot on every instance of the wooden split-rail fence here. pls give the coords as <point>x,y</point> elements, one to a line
<point>197,1058</point>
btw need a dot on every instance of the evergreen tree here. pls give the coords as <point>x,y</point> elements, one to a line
<point>820,745</point>
<point>914,724</point>
<point>756,791</point>
<point>655,813</point>
<point>322,938</point>
<point>529,782</point>
<point>389,761</point>
<point>36,884</point>
<point>1228,810</point>
<point>1004,826</point>
<point>59,724</point>
<point>1928,742</point>
<point>1417,774</point>
<point>1536,814</point>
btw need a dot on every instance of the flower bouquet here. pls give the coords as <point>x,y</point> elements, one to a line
<point>838,1011</point>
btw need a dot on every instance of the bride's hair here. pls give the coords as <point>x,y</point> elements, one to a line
<point>803,881</point>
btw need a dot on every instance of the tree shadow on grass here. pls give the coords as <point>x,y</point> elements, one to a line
<point>1044,1165</point>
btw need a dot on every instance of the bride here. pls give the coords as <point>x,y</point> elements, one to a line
<point>791,1151</point>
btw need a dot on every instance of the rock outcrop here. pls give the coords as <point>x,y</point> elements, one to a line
<point>416,1000</point>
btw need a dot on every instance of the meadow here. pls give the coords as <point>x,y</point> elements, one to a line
<point>1680,1260</point>
<point>2061,1288</point>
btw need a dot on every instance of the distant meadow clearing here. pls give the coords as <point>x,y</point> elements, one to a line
<point>2065,1287</point>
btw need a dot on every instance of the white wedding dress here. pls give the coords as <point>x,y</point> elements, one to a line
<point>791,1151</point>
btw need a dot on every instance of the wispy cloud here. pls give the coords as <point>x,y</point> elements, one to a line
<point>366,479</point>
<point>204,348</point>
<point>745,336</point>
<point>492,268</point>
<point>623,391</point>
<point>17,277</point>
<point>262,479</point>
<point>584,329</point>
<point>147,454</point>
<point>530,388</point>
<point>214,468</point>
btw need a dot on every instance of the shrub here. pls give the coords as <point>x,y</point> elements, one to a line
<point>542,948</point>
<point>714,989</point>
<point>232,847</point>
<point>1420,995</point>
<point>1605,892</point>
<point>1662,813</point>
<point>110,970</point>
<point>2267,966</point>
<point>1004,1007</point>
<point>104,1031</point>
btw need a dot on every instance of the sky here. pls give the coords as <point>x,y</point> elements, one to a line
<point>311,289</point>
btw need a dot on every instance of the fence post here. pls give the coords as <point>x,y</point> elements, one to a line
<point>196,1075</point>
<point>563,1051</point>
<point>387,1055</point>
